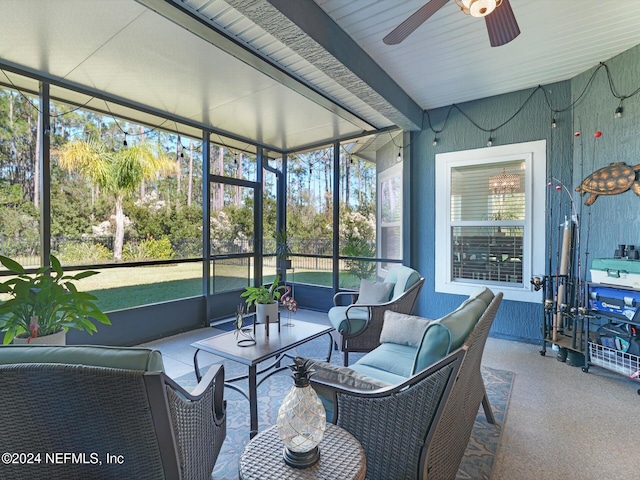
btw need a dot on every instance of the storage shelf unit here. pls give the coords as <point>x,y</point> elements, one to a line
<point>602,356</point>
<point>619,362</point>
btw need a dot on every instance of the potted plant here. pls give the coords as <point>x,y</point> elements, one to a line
<point>265,299</point>
<point>283,249</point>
<point>45,303</point>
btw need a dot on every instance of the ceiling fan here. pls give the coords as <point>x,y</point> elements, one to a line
<point>498,15</point>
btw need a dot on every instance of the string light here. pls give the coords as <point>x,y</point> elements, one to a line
<point>125,139</point>
<point>435,141</point>
<point>618,112</point>
<point>399,157</point>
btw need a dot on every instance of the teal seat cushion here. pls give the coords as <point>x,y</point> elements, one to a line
<point>380,375</point>
<point>129,358</point>
<point>357,319</point>
<point>389,357</point>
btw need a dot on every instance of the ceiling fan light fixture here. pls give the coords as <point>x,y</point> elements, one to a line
<point>478,8</point>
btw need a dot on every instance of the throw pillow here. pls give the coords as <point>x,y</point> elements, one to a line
<point>344,376</point>
<point>374,293</point>
<point>403,329</point>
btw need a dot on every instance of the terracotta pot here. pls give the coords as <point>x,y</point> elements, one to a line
<point>59,338</point>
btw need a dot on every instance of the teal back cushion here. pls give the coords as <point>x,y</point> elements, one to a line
<point>129,358</point>
<point>403,278</point>
<point>457,325</point>
<point>436,343</point>
<point>461,321</point>
<point>484,294</point>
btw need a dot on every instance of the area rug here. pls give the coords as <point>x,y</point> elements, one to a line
<point>478,459</point>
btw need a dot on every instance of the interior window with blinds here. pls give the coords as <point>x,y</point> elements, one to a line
<point>487,222</point>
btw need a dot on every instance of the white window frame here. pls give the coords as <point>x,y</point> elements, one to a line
<point>534,155</point>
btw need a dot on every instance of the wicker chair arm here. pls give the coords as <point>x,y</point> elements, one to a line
<point>347,331</point>
<point>212,380</point>
<point>338,296</point>
<point>385,305</point>
<point>337,387</point>
<point>199,423</point>
<point>454,358</point>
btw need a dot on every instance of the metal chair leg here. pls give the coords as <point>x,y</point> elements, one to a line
<point>488,412</point>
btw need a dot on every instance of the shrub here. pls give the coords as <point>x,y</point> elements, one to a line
<point>148,250</point>
<point>83,252</point>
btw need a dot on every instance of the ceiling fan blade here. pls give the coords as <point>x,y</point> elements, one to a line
<point>407,27</point>
<point>502,25</point>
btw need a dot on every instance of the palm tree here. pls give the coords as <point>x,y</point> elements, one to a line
<point>116,172</point>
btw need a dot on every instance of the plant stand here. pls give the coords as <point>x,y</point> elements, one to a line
<point>293,295</point>
<point>266,324</point>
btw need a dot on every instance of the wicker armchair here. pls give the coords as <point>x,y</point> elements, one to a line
<point>103,422</point>
<point>394,424</point>
<point>452,433</point>
<point>358,325</point>
<point>403,436</point>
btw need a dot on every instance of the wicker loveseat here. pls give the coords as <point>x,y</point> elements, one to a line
<point>106,413</point>
<point>395,364</point>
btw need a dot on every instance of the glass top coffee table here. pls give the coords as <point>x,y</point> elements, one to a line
<point>273,346</point>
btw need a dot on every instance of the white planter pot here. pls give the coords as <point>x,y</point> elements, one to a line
<point>264,309</point>
<point>59,338</point>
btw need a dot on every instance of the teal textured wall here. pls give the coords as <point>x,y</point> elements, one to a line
<point>613,219</point>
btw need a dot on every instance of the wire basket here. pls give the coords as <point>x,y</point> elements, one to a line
<point>611,359</point>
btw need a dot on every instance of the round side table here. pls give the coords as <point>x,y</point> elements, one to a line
<point>341,457</point>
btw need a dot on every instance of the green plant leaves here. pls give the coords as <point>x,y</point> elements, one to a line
<point>11,265</point>
<point>55,300</point>
<point>262,294</point>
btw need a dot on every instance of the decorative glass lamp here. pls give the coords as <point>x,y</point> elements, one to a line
<point>301,419</point>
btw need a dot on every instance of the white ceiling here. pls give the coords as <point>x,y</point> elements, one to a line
<point>131,52</point>
<point>449,60</point>
<point>155,57</point>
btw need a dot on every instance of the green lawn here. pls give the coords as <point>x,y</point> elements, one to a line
<point>119,288</point>
<point>126,287</point>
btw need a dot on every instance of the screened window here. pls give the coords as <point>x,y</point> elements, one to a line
<point>357,220</point>
<point>310,214</point>
<point>487,218</point>
<point>19,177</point>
